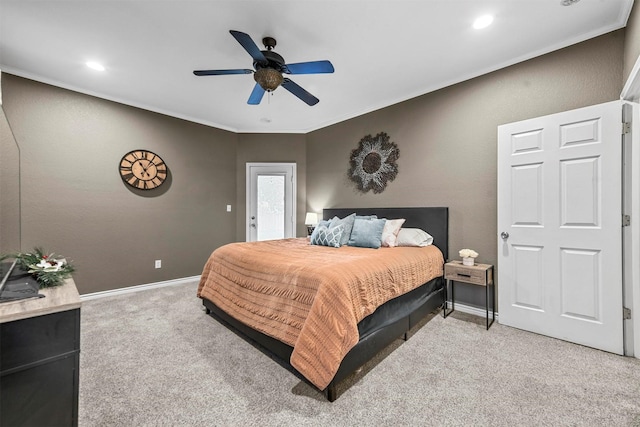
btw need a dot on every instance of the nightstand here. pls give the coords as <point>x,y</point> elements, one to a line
<point>478,274</point>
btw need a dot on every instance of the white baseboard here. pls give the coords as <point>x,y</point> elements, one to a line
<point>138,288</point>
<point>469,309</point>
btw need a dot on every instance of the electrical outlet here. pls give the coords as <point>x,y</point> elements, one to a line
<point>228,208</point>
<point>158,263</point>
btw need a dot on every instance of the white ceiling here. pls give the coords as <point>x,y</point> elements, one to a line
<point>383,52</point>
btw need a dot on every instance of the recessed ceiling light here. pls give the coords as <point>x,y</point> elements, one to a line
<point>482,22</point>
<point>95,66</point>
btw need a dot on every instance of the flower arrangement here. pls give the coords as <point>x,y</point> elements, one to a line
<point>48,269</point>
<point>468,253</point>
<point>468,256</point>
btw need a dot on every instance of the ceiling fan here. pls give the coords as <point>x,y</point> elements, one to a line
<point>269,67</point>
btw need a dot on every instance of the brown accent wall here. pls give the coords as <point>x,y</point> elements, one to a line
<point>271,148</point>
<point>632,41</point>
<point>74,202</point>
<point>447,140</point>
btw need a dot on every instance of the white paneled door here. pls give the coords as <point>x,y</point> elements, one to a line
<point>559,226</point>
<point>271,201</point>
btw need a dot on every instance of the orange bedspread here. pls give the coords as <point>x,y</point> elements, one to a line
<point>312,297</point>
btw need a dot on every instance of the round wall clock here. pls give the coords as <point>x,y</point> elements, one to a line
<point>373,163</point>
<point>143,169</point>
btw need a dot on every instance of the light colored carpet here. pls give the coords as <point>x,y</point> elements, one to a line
<point>155,358</point>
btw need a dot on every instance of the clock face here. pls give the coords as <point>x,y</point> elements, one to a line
<point>143,169</point>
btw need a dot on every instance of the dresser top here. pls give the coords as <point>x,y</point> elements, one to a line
<point>59,298</point>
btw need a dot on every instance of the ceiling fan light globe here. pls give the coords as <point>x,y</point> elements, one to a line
<point>268,78</point>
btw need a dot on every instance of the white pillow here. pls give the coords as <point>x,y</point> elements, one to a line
<point>413,237</point>
<point>390,232</point>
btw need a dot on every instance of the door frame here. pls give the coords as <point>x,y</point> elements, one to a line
<point>631,92</point>
<point>294,178</point>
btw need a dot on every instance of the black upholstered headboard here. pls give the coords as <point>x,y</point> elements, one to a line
<point>434,221</point>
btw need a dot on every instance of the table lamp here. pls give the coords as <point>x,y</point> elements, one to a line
<point>310,221</point>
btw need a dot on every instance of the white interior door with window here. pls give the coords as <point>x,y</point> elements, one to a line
<point>271,201</point>
<point>560,226</point>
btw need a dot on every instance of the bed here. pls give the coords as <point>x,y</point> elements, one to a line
<point>334,336</point>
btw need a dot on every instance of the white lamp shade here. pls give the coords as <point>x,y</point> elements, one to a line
<point>311,218</point>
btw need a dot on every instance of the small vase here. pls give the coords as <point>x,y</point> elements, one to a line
<point>468,261</point>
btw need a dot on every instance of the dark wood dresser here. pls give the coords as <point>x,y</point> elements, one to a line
<point>40,359</point>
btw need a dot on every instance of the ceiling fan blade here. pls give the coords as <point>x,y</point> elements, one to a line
<point>313,67</point>
<point>248,45</point>
<point>256,95</point>
<point>299,92</point>
<point>220,72</point>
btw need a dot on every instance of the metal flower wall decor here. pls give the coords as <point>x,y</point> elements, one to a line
<point>373,163</point>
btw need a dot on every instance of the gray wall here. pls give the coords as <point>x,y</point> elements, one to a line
<point>271,148</point>
<point>447,140</point>
<point>9,189</point>
<point>74,202</point>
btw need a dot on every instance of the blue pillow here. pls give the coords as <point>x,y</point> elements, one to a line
<point>326,236</point>
<point>367,233</point>
<point>315,229</point>
<point>347,222</point>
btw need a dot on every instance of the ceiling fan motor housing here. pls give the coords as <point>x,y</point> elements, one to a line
<point>274,61</point>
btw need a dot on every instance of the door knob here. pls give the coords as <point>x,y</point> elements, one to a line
<point>504,235</point>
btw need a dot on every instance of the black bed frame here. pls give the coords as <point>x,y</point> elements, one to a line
<point>390,321</point>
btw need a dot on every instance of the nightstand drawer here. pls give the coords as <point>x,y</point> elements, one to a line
<point>460,274</point>
<point>478,274</point>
